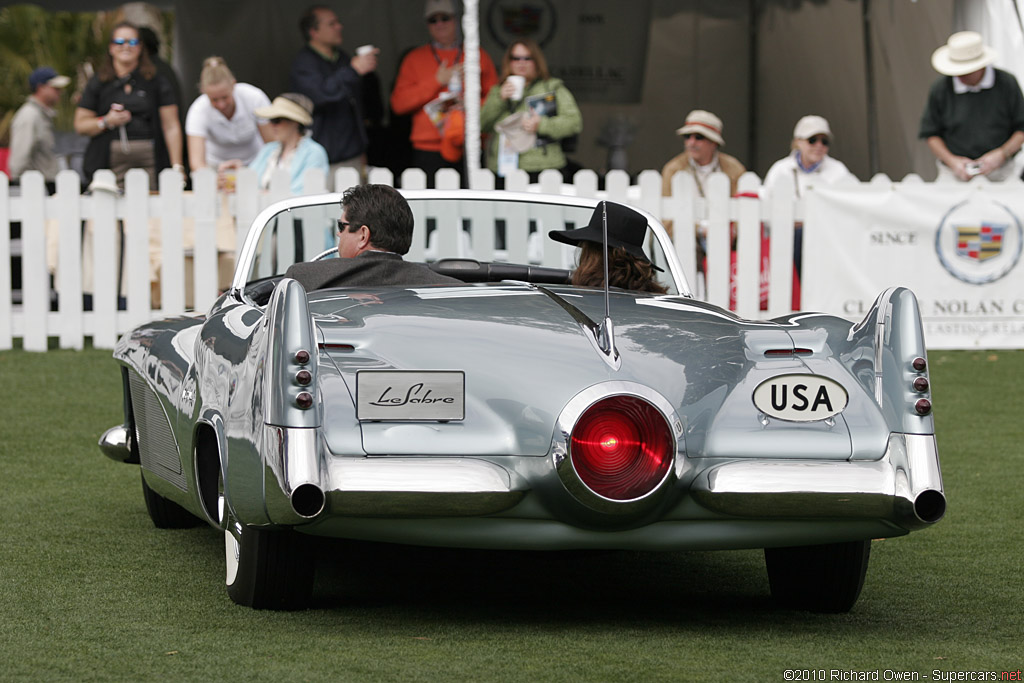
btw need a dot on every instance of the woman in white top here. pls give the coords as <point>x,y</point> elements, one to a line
<point>222,124</point>
<point>809,163</point>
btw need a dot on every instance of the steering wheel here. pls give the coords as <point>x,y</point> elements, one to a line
<point>324,254</point>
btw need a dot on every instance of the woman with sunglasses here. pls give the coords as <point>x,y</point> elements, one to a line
<point>125,108</point>
<point>291,149</point>
<point>222,124</point>
<point>809,163</point>
<point>546,114</point>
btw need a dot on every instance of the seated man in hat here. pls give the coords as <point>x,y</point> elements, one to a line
<point>974,119</point>
<point>702,138</point>
<point>374,231</point>
<point>628,265</point>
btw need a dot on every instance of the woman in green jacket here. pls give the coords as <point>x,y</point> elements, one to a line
<point>547,114</point>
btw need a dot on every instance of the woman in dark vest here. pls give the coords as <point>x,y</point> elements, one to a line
<point>125,109</point>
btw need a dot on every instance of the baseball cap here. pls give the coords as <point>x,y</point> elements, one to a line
<point>46,75</point>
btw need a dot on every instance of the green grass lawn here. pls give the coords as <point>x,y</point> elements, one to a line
<point>89,590</point>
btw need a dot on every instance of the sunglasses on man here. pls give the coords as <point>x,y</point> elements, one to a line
<point>695,136</point>
<point>125,41</point>
<point>815,139</point>
<point>440,19</point>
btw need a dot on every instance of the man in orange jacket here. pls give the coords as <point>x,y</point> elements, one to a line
<point>430,80</point>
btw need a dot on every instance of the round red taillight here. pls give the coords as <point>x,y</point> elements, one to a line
<point>919,364</point>
<point>923,406</point>
<point>921,384</point>
<point>621,448</point>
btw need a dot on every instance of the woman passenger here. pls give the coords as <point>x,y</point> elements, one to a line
<point>628,265</point>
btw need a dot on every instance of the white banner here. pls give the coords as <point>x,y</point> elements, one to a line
<point>957,246</point>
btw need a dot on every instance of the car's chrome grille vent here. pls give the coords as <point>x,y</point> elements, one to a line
<point>157,448</point>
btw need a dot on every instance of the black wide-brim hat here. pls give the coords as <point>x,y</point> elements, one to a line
<point>626,229</point>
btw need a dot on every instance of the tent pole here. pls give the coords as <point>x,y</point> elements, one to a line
<point>471,84</point>
<point>869,82</point>
<point>752,108</point>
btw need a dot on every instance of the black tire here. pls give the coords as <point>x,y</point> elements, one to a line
<point>275,569</point>
<point>166,514</point>
<point>818,578</point>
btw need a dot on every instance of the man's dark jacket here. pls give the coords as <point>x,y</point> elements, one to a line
<point>369,269</point>
<point>336,90</point>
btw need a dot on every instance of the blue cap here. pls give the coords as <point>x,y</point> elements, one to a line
<point>46,75</point>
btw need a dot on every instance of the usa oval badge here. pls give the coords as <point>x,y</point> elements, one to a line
<point>800,398</point>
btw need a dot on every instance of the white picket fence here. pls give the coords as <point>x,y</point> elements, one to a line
<point>171,230</point>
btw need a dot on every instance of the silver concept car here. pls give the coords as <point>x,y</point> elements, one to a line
<point>516,411</point>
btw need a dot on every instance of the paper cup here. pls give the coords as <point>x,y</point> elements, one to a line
<point>519,83</point>
<point>364,50</point>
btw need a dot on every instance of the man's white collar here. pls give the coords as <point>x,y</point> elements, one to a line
<point>986,82</point>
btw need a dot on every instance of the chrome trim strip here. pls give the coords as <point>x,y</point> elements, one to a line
<point>416,487</point>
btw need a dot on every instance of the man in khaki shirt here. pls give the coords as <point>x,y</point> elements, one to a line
<point>32,141</point>
<point>702,137</point>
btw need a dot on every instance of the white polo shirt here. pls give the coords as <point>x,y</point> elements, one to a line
<point>234,138</point>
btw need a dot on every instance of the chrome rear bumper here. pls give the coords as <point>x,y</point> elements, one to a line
<point>904,487</point>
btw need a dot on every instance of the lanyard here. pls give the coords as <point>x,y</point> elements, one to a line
<point>437,57</point>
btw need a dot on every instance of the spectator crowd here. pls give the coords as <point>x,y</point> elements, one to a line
<point>131,112</point>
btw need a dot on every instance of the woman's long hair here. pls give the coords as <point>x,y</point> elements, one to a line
<point>538,59</point>
<point>106,72</point>
<point>624,270</point>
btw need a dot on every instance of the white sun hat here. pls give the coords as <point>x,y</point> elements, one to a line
<point>965,52</point>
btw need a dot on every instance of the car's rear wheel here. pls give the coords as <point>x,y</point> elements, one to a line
<point>819,578</point>
<point>166,514</point>
<point>268,569</point>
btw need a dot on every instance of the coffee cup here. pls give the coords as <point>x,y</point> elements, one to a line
<point>519,85</point>
<point>365,50</point>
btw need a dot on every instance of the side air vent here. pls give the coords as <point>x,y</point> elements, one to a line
<point>157,447</point>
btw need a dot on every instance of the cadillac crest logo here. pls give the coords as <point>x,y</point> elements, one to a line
<point>979,241</point>
<point>509,20</point>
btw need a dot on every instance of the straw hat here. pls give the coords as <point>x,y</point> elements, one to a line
<point>965,52</point>
<point>705,123</point>
<point>291,106</point>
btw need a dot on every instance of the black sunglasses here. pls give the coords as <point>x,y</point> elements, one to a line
<point>521,59</point>
<point>343,225</point>
<point>277,120</point>
<point>440,19</point>
<point>815,139</point>
<point>696,136</point>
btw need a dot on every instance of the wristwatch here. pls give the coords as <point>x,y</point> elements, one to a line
<point>101,123</point>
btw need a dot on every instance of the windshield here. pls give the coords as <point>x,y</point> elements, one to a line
<point>482,226</point>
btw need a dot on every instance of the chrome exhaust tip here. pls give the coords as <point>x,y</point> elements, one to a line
<point>308,500</point>
<point>930,506</point>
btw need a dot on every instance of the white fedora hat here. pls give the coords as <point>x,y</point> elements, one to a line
<point>965,52</point>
